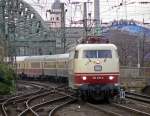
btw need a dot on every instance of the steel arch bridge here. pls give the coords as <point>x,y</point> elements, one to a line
<point>23,31</point>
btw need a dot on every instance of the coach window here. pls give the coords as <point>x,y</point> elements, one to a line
<point>35,65</point>
<point>18,65</point>
<point>76,54</point>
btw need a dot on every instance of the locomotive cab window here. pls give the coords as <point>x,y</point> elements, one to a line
<point>76,54</point>
<point>104,54</point>
<point>97,54</point>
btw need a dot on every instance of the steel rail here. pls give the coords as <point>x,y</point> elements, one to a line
<point>104,110</point>
<point>3,105</point>
<point>51,113</point>
<point>41,104</point>
<point>131,109</point>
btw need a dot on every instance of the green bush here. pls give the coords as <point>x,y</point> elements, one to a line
<point>7,80</point>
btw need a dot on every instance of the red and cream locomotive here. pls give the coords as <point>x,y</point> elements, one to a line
<point>94,70</point>
<point>91,69</point>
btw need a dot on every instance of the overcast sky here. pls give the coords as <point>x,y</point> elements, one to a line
<point>109,9</point>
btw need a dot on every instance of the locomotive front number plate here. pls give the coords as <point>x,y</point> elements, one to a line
<point>97,67</point>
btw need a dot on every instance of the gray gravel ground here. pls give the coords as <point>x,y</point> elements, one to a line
<point>79,110</point>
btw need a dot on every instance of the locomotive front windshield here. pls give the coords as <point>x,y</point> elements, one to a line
<point>97,54</point>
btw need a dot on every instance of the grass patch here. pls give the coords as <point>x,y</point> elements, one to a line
<point>7,80</point>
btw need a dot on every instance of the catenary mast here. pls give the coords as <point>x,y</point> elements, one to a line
<point>96,13</point>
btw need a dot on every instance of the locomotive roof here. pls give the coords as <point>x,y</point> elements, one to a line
<point>95,46</point>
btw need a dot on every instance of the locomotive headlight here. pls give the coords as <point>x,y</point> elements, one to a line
<point>97,62</point>
<point>116,84</point>
<point>111,77</point>
<point>84,77</point>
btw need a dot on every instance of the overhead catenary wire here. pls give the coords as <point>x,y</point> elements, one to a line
<point>122,8</point>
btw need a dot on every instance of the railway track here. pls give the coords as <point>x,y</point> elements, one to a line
<point>20,105</point>
<point>47,103</point>
<point>48,107</point>
<point>49,98</point>
<point>129,108</point>
<point>11,105</point>
<point>14,105</point>
<point>119,110</point>
<point>22,88</point>
<point>138,97</point>
<point>139,101</point>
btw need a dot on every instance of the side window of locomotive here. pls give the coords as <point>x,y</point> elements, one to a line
<point>104,54</point>
<point>76,54</point>
<point>90,54</point>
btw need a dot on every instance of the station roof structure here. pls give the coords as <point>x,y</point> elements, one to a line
<point>21,25</point>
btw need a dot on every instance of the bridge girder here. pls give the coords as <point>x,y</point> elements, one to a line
<point>21,26</point>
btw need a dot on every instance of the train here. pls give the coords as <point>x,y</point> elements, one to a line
<point>92,70</point>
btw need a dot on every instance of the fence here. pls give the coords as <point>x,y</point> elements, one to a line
<point>133,77</point>
<point>135,72</point>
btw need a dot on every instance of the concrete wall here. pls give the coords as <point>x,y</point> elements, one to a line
<point>133,78</point>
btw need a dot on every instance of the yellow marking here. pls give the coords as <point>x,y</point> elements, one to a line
<point>94,62</point>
